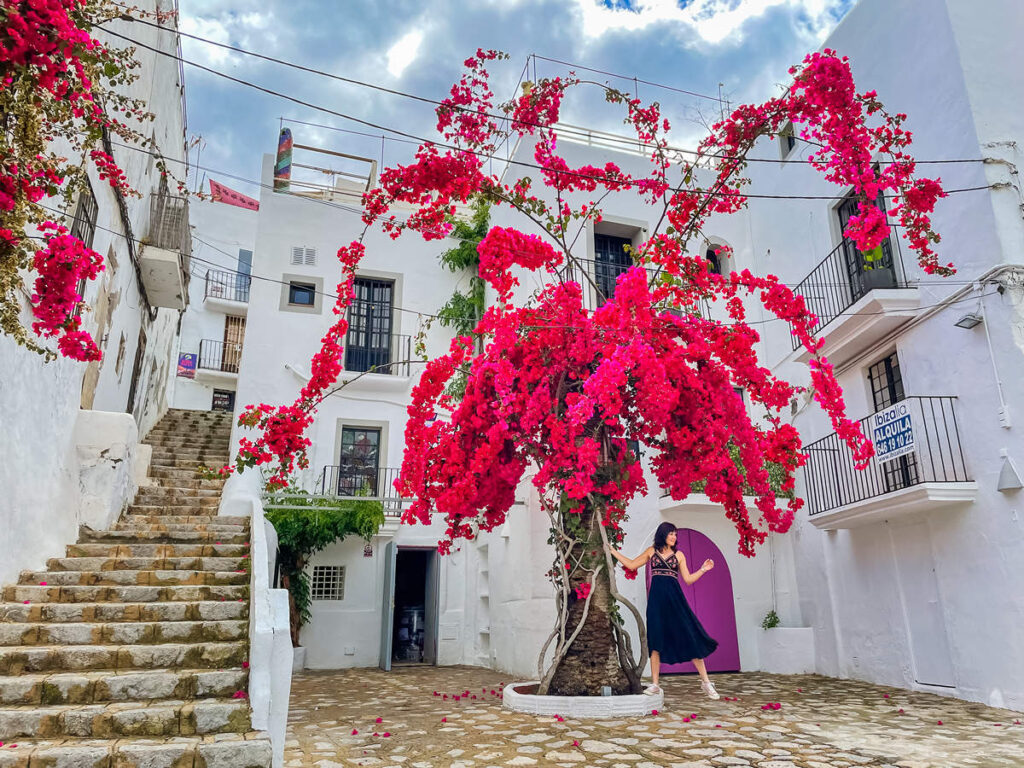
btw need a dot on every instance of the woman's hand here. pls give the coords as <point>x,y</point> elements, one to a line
<point>708,565</point>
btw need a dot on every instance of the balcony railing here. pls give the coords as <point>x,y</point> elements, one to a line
<point>221,284</point>
<point>354,481</point>
<point>841,280</point>
<point>218,356</point>
<point>833,481</point>
<point>168,223</point>
<point>370,348</point>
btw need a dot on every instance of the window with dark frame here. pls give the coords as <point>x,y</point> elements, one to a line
<point>711,254</point>
<point>328,582</point>
<point>371,325</point>
<point>611,259</point>
<point>864,276</point>
<point>787,140</point>
<point>359,462</point>
<point>84,228</point>
<point>302,294</point>
<point>887,389</point>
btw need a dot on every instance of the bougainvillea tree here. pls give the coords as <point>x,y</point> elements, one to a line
<point>63,95</point>
<point>563,393</point>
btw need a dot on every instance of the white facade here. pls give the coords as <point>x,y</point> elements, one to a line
<point>212,329</point>
<point>67,444</point>
<point>907,581</point>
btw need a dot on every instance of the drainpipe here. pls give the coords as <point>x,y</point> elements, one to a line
<point>1004,410</point>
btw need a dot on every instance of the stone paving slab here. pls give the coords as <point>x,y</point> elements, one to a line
<point>821,723</point>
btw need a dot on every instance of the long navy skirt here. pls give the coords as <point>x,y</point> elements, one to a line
<point>672,627</point>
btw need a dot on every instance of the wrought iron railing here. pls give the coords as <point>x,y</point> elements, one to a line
<point>221,284</point>
<point>842,279</point>
<point>355,481</point>
<point>168,223</point>
<point>218,356</point>
<point>832,481</point>
<point>369,347</point>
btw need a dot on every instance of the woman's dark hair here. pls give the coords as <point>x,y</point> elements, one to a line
<point>661,536</point>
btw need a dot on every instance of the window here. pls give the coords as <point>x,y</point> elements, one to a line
<point>359,463</point>
<point>787,140</point>
<point>328,582</point>
<point>302,294</point>
<point>303,256</point>
<point>713,257</point>
<point>611,259</point>
<point>84,228</point>
<point>866,271</point>
<point>886,389</point>
<point>368,343</point>
<point>244,261</point>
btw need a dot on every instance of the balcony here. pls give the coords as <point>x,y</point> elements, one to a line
<point>933,476</point>
<point>350,481</point>
<point>227,291</point>
<point>218,362</point>
<point>856,307</point>
<point>165,252</point>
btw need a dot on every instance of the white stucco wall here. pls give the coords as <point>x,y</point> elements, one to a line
<point>43,492</point>
<point>219,232</point>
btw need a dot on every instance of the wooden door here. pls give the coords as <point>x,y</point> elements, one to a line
<point>234,335</point>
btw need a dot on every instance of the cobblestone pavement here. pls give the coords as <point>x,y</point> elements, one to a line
<point>821,723</point>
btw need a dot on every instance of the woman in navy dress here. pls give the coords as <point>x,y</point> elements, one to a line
<point>674,634</point>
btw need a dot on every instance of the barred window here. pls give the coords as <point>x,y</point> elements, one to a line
<point>328,582</point>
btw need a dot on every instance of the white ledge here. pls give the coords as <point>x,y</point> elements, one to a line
<point>863,324</point>
<point>923,497</point>
<point>595,707</point>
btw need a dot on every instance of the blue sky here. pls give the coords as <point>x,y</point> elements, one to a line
<point>744,45</point>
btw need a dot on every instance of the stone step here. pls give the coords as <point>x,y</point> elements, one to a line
<point>201,519</point>
<point>180,475</point>
<point>184,484</point>
<point>131,578</point>
<point>163,537</point>
<point>128,549</point>
<point>137,594</point>
<point>124,719</point>
<point>136,512</point>
<point>169,492</point>
<point>21,659</point>
<point>99,687</point>
<point>177,461</point>
<point>163,455</point>
<point>195,437</point>
<point>193,503</point>
<point>122,633</point>
<point>248,750</point>
<point>213,610</point>
<point>146,563</point>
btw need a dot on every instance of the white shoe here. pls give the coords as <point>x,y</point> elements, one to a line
<point>709,689</point>
<point>652,690</point>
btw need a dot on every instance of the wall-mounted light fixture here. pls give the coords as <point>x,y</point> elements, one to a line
<point>968,321</point>
<point>1009,480</point>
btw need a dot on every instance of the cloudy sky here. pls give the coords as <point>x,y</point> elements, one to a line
<point>742,47</point>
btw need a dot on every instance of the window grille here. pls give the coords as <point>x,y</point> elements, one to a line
<point>328,582</point>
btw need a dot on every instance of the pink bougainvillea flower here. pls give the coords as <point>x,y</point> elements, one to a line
<point>355,732</point>
<point>240,695</point>
<point>575,743</point>
<point>444,719</point>
<point>26,602</point>
<point>379,720</point>
<point>717,725</point>
<point>939,722</point>
<point>686,719</point>
<point>885,695</point>
<point>42,584</point>
<point>654,713</point>
<point>386,735</point>
<point>245,665</point>
<point>376,734</point>
<point>901,710</point>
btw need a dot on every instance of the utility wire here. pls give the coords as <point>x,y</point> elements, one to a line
<point>625,140</point>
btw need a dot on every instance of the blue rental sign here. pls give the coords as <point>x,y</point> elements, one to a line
<point>892,432</point>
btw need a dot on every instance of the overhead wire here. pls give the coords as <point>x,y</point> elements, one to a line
<point>625,140</point>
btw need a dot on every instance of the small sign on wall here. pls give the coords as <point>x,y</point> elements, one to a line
<point>892,432</point>
<point>187,366</point>
<point>368,550</point>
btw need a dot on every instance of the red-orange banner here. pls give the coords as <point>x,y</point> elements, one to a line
<point>223,194</point>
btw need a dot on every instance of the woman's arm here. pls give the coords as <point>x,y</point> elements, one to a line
<point>636,562</point>
<point>688,577</point>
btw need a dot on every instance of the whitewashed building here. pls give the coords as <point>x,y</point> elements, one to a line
<point>70,430</point>
<point>903,574</point>
<point>209,349</point>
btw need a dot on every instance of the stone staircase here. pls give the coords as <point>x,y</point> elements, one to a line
<point>130,652</point>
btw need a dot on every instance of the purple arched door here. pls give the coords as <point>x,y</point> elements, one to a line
<point>711,599</point>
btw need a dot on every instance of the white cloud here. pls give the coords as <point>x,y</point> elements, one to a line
<point>715,21</point>
<point>404,52</point>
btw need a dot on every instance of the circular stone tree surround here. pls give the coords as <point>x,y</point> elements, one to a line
<point>520,697</point>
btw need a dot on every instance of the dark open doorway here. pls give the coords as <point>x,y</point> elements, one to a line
<point>414,621</point>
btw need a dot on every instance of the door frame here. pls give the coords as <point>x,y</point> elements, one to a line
<point>431,604</point>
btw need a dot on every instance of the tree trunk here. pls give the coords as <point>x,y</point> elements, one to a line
<point>594,660</point>
<point>294,619</point>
